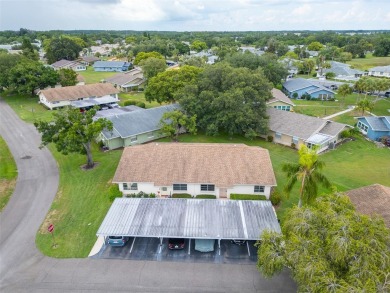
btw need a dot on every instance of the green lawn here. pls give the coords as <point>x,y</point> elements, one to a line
<point>138,97</point>
<point>27,107</point>
<point>8,174</point>
<point>92,76</point>
<point>369,62</point>
<point>81,203</point>
<point>382,107</point>
<point>82,200</point>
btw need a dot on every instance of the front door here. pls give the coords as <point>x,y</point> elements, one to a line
<point>223,193</point>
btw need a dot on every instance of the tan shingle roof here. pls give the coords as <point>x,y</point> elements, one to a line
<point>221,164</point>
<point>278,95</point>
<point>372,199</point>
<point>70,93</point>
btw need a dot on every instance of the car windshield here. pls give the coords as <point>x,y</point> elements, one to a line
<point>115,237</point>
<point>176,240</point>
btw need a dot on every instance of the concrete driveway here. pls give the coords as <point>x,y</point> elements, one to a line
<point>24,269</point>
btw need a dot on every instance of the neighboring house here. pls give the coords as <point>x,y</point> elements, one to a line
<point>374,127</point>
<point>111,66</point>
<point>280,101</point>
<point>253,50</point>
<point>67,64</point>
<point>290,65</point>
<point>342,71</point>
<point>380,71</point>
<point>312,53</point>
<point>302,86</point>
<point>211,59</point>
<point>195,168</point>
<point>292,129</point>
<point>132,80</point>
<point>88,60</point>
<point>135,127</point>
<point>372,199</point>
<point>91,94</point>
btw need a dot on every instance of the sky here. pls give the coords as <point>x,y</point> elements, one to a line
<point>195,15</point>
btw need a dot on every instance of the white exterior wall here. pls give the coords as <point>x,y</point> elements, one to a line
<point>193,189</point>
<point>51,105</point>
<point>249,189</point>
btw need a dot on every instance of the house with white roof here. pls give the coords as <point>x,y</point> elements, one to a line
<point>69,64</point>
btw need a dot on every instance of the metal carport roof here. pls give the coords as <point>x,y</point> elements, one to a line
<point>189,218</point>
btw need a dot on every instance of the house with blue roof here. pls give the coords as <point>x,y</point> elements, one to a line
<point>374,127</point>
<point>135,127</point>
<point>298,87</point>
<point>118,66</point>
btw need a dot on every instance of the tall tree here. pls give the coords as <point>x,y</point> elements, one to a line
<point>328,247</point>
<point>68,77</point>
<point>152,66</point>
<point>29,75</point>
<point>198,46</point>
<point>62,48</point>
<point>344,90</point>
<point>365,105</point>
<point>7,62</point>
<point>145,55</point>
<point>227,99</point>
<point>163,87</point>
<point>73,131</point>
<point>307,172</point>
<point>175,122</point>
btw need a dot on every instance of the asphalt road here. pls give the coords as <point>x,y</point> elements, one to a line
<point>24,269</point>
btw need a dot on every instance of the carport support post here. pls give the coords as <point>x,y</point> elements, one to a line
<point>161,240</point>
<point>219,246</point>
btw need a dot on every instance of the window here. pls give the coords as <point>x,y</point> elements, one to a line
<point>133,139</point>
<point>362,126</point>
<point>125,186</point>
<point>179,187</point>
<point>278,135</point>
<point>295,140</point>
<point>134,186</point>
<point>259,188</point>
<point>207,187</point>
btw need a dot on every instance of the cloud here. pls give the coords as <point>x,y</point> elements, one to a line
<point>302,10</point>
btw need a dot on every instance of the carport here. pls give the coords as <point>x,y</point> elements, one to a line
<point>189,218</point>
<point>93,102</point>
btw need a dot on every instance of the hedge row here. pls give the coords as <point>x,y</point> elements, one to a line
<point>209,196</point>
<point>132,102</point>
<point>181,195</point>
<point>247,196</point>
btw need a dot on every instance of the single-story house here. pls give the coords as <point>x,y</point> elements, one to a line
<point>293,129</point>
<point>132,80</point>
<point>374,127</point>
<point>302,86</point>
<point>280,101</point>
<point>88,60</point>
<point>68,64</point>
<point>111,66</point>
<point>98,94</point>
<point>380,71</point>
<point>195,168</point>
<point>135,127</point>
<point>372,199</point>
<point>342,71</point>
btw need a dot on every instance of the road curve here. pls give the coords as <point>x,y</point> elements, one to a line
<point>24,269</point>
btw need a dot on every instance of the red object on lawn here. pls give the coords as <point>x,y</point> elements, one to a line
<point>50,228</point>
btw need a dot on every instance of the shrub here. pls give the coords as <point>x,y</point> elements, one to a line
<point>140,104</point>
<point>129,102</point>
<point>345,133</point>
<point>114,192</point>
<point>314,74</point>
<point>248,196</point>
<point>275,197</point>
<point>330,75</point>
<point>152,195</point>
<point>295,95</point>
<point>270,138</point>
<point>209,196</point>
<point>293,145</point>
<point>181,195</point>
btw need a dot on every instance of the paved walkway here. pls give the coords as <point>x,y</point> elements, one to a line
<point>24,269</point>
<point>350,108</point>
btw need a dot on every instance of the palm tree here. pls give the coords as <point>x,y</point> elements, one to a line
<point>344,90</point>
<point>307,171</point>
<point>365,105</point>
